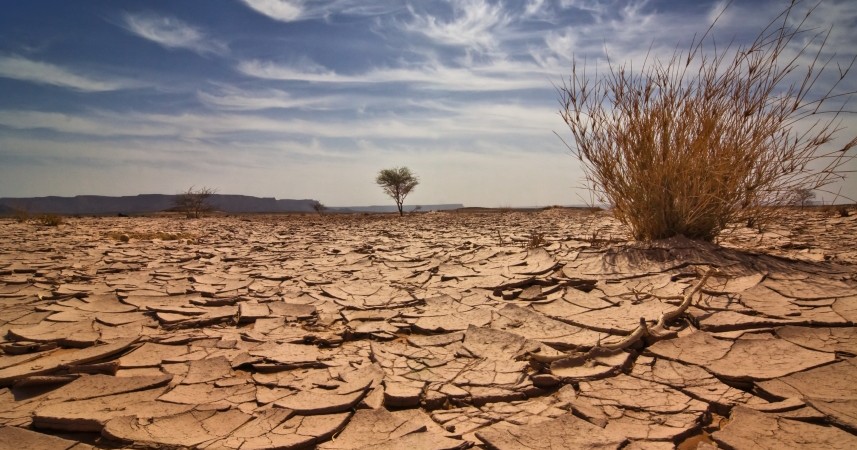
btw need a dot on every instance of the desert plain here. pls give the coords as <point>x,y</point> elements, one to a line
<point>544,329</point>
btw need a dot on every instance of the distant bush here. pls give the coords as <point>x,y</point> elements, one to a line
<point>536,239</point>
<point>836,210</point>
<point>49,220</point>
<point>194,202</point>
<point>20,215</point>
<point>802,197</point>
<point>701,141</point>
<point>319,207</point>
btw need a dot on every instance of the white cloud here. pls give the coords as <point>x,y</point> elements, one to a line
<point>88,124</point>
<point>474,26</point>
<point>534,7</point>
<point>24,69</point>
<point>231,98</point>
<point>294,10</point>
<point>495,76</point>
<point>304,70</point>
<point>431,121</point>
<point>172,33</point>
<point>282,10</point>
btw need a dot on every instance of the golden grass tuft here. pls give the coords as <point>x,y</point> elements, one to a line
<point>701,141</point>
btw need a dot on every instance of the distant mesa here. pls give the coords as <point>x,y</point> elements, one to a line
<point>153,203</point>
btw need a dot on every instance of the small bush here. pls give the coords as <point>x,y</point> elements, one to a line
<point>701,141</point>
<point>836,210</point>
<point>49,220</point>
<point>194,203</point>
<point>20,215</point>
<point>319,207</point>
<point>536,239</point>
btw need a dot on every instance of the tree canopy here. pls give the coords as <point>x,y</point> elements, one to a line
<point>397,182</point>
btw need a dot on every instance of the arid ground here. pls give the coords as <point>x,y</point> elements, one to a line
<point>508,330</point>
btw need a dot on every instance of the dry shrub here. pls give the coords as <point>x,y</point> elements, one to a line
<point>20,215</point>
<point>836,210</point>
<point>194,203</point>
<point>702,140</point>
<point>536,239</point>
<point>49,220</point>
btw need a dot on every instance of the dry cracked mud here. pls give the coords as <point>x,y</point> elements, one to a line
<point>431,331</point>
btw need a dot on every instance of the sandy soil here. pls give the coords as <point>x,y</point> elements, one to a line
<point>507,330</point>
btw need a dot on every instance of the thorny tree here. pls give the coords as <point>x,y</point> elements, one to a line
<point>194,202</point>
<point>397,183</point>
<point>703,140</point>
<point>318,207</point>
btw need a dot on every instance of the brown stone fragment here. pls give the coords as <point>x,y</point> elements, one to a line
<point>581,368</point>
<point>14,438</point>
<point>830,389</point>
<point>373,427</point>
<point>208,394</point>
<point>151,354</point>
<point>750,429</point>
<point>289,355</point>
<point>692,380</point>
<point>91,414</point>
<point>842,412</point>
<point>187,429</point>
<point>532,325</point>
<point>494,344</point>
<point>249,312</point>
<point>400,394</point>
<point>762,359</point>
<point>258,432</point>
<point>564,432</point>
<point>101,385</point>
<point>317,402</point>
<point>759,357</point>
<point>55,360</point>
<point>208,369</point>
<point>640,409</point>
<point>822,339</point>
<point>696,348</point>
<point>815,289</point>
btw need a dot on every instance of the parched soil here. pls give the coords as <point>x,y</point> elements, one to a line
<point>512,330</point>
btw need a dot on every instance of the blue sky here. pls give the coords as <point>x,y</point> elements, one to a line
<point>309,99</point>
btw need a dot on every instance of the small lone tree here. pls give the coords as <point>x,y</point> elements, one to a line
<point>397,182</point>
<point>803,196</point>
<point>194,202</point>
<point>318,207</point>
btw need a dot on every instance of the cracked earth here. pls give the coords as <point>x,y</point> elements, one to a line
<point>521,330</point>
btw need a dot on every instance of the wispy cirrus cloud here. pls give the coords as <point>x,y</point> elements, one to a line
<point>172,33</point>
<point>294,10</point>
<point>473,26</point>
<point>495,76</point>
<point>234,99</point>
<point>19,68</point>
<point>425,120</point>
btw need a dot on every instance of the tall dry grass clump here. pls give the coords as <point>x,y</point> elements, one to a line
<point>703,140</point>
